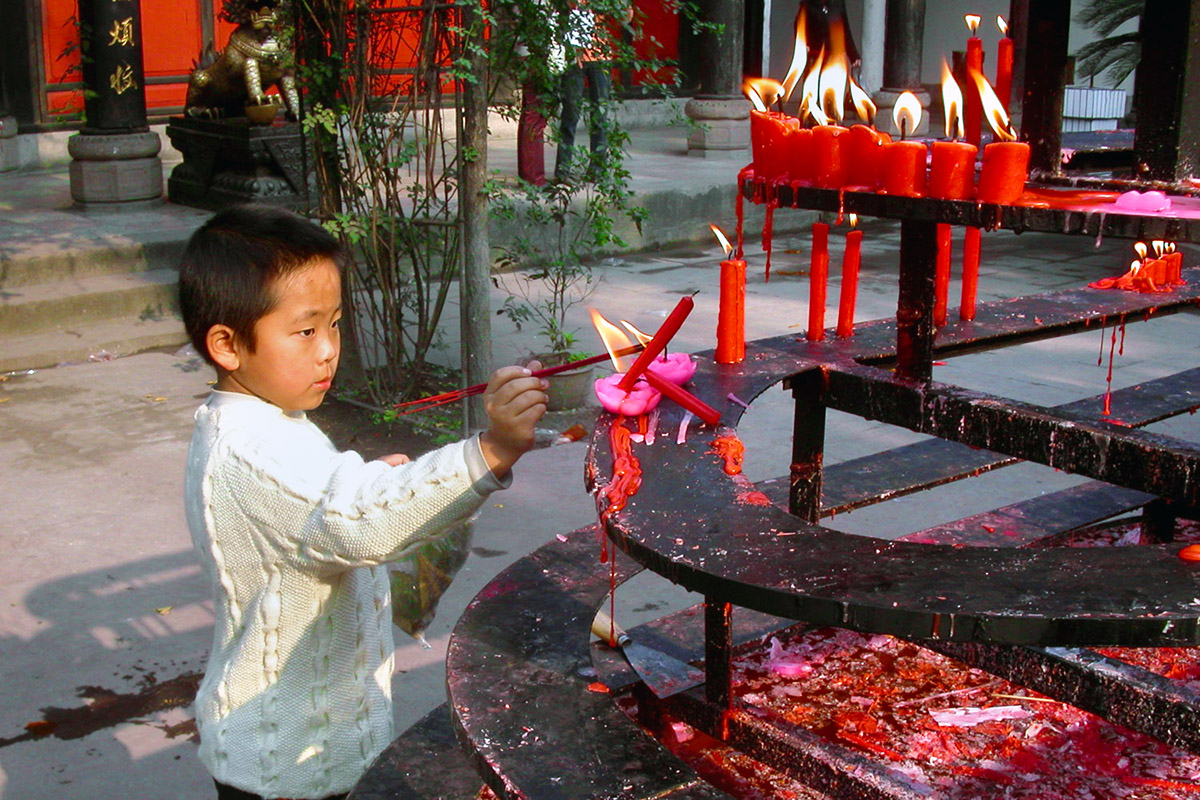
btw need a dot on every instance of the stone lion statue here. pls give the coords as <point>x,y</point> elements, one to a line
<point>253,61</point>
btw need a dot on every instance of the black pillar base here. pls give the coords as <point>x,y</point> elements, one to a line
<point>234,161</point>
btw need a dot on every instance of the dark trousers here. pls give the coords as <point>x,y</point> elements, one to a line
<point>229,793</point>
<point>599,86</point>
<point>531,154</point>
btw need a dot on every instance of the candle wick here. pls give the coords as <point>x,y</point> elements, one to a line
<point>903,129</point>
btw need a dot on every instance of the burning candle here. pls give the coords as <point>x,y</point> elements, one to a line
<point>941,275</point>
<point>952,165</point>
<point>669,328</point>
<point>974,64</point>
<point>829,168</point>
<point>1004,64</point>
<point>970,278</point>
<point>798,149</point>
<point>904,162</point>
<point>862,152</point>
<point>615,400</point>
<point>731,313</point>
<point>850,263</point>
<point>1006,162</point>
<point>818,276</point>
<point>768,129</point>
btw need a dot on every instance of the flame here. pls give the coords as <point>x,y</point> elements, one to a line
<point>853,220</point>
<point>835,73</point>
<point>1170,247</point>
<point>769,91</point>
<point>1160,247</point>
<point>907,113</point>
<point>755,100</point>
<point>642,337</point>
<point>1002,24</point>
<point>811,89</point>
<point>1140,249</point>
<point>993,110</point>
<point>972,21</point>
<point>728,248</point>
<point>613,337</point>
<point>1135,267</point>
<point>863,104</point>
<point>799,54</point>
<point>952,103</point>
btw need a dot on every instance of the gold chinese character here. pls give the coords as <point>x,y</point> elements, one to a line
<point>122,79</point>
<point>122,32</point>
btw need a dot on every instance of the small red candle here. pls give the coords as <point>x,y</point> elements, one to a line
<point>850,263</point>
<point>1004,64</point>
<point>1004,172</point>
<point>862,154</point>
<point>974,65</point>
<point>904,169</point>
<point>768,136</point>
<point>970,279</point>
<point>829,168</point>
<point>664,334</point>
<point>799,155</point>
<point>941,275</point>
<point>704,411</point>
<point>731,313</point>
<point>952,170</point>
<point>818,276</point>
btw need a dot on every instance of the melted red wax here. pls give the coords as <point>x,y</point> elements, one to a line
<point>731,449</point>
<point>1112,344</point>
<point>756,499</point>
<point>746,173</point>
<point>768,230</point>
<point>841,205</point>
<point>1063,198</point>
<point>626,480</point>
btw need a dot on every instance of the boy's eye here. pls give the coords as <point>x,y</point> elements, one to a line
<point>337,323</point>
<point>308,331</point>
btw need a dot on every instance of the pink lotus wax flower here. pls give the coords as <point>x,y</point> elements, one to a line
<point>615,400</point>
<point>678,368</point>
<point>1143,202</point>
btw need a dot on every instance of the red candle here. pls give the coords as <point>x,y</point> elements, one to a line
<point>850,262</point>
<point>952,170</point>
<point>1004,172</point>
<point>818,276</point>
<point>731,314</point>
<point>941,275</point>
<point>862,154</point>
<point>1004,65</point>
<point>970,279</point>
<point>904,169</point>
<point>684,398</point>
<point>669,328</point>
<point>768,132</point>
<point>798,144</point>
<point>974,110</point>
<point>829,168</point>
<point>1176,271</point>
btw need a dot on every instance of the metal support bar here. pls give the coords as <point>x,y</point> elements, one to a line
<point>914,309</point>
<point>1166,96</point>
<point>808,447</point>
<point>718,652</point>
<point>1044,82</point>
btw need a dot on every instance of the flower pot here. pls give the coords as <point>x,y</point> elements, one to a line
<point>568,390</point>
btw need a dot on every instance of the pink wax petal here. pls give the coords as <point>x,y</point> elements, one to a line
<point>678,368</point>
<point>1143,201</point>
<point>639,400</point>
<point>970,716</point>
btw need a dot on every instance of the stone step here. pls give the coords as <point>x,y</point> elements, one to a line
<point>146,295</point>
<point>67,255</point>
<point>96,341</point>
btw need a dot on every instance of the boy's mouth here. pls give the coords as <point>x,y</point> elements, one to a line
<point>323,384</point>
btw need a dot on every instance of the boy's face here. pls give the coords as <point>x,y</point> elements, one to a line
<point>297,344</point>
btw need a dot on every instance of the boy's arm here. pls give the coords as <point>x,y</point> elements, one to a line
<point>515,400</point>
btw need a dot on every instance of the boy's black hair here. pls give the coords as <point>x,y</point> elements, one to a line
<point>232,261</point>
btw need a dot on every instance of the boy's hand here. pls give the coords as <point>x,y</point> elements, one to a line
<point>515,401</point>
<point>395,459</point>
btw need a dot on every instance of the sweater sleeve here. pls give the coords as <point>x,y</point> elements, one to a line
<point>330,510</point>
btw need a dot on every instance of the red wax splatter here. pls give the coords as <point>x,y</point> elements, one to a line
<point>1112,345</point>
<point>768,229</point>
<point>1190,553</point>
<point>597,687</point>
<point>626,480</point>
<point>732,450</point>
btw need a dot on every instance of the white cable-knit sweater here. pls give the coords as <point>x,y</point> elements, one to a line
<point>296,697</point>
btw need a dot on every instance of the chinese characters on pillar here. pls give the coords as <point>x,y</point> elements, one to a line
<point>122,35</point>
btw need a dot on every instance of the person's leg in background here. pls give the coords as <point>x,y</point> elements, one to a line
<point>531,155</point>
<point>599,90</point>
<point>572,100</point>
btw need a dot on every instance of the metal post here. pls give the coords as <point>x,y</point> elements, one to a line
<point>905,44</point>
<point>1166,95</point>
<point>808,447</point>
<point>1044,83</point>
<point>718,651</point>
<point>914,310</point>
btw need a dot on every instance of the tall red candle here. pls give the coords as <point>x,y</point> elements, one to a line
<point>862,154</point>
<point>1004,65</point>
<point>850,263</point>
<point>731,314</point>
<point>1004,172</point>
<point>829,168</point>
<point>970,279</point>
<point>904,169</point>
<point>952,171</point>
<point>818,277</point>
<point>664,334</point>
<point>941,275</point>
<point>974,110</point>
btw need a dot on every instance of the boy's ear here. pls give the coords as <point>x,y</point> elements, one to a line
<point>222,347</point>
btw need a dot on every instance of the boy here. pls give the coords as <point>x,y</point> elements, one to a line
<point>296,697</point>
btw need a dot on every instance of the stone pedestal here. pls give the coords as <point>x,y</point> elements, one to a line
<point>233,161</point>
<point>885,100</point>
<point>722,127</point>
<point>115,168</point>
<point>9,157</point>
